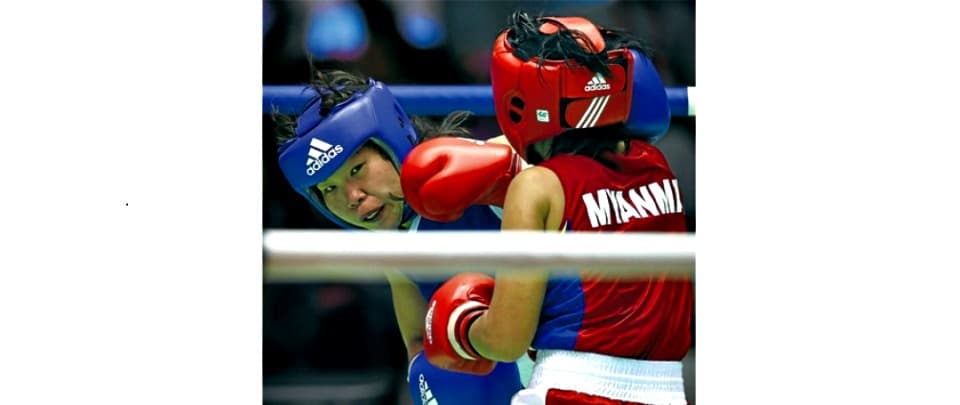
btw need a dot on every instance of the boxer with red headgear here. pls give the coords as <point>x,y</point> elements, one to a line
<point>567,94</point>
<point>535,102</point>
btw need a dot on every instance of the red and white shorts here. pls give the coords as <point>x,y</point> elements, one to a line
<point>568,377</point>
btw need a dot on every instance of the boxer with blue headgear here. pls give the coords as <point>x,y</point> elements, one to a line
<point>343,154</point>
<point>326,138</point>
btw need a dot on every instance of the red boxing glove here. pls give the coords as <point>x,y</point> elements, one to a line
<point>443,176</point>
<point>452,309</point>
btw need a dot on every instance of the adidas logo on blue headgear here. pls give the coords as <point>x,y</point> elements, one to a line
<point>320,154</point>
<point>325,142</point>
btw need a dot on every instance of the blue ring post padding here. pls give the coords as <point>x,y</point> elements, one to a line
<point>428,100</point>
<point>677,97</point>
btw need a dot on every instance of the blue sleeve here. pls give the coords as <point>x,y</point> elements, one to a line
<point>475,218</point>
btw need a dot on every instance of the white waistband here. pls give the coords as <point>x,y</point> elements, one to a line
<point>651,382</point>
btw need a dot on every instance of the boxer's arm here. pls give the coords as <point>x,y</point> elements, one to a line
<point>409,307</point>
<point>505,331</point>
<point>502,139</point>
<point>534,202</point>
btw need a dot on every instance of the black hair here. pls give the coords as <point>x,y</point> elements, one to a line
<point>594,143</point>
<point>528,42</point>
<point>451,125</point>
<point>332,87</point>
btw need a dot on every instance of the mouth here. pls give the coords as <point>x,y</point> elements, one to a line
<point>373,215</point>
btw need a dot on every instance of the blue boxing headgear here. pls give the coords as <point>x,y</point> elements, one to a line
<point>324,143</point>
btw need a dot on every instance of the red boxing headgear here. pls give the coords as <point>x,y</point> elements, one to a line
<point>534,103</point>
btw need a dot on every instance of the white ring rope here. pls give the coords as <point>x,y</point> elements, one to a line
<point>320,255</point>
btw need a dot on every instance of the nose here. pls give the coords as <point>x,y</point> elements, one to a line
<point>355,196</point>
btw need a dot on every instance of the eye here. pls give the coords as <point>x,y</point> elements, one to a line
<point>328,189</point>
<point>356,169</point>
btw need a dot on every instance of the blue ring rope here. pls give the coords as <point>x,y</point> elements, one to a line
<point>433,100</point>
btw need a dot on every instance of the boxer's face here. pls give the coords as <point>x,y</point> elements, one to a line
<point>365,191</point>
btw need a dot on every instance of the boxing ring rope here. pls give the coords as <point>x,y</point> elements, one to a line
<point>299,256</point>
<point>292,256</point>
<point>440,100</point>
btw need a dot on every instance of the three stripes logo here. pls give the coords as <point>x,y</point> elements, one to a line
<point>320,153</point>
<point>595,110</point>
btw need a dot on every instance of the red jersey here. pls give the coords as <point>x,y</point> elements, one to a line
<point>645,318</point>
